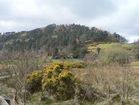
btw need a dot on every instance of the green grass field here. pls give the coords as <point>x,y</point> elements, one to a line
<point>93,47</point>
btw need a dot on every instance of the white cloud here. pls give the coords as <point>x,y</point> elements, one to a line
<point>119,16</point>
<point>124,20</point>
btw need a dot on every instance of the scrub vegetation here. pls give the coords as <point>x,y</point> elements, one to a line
<point>69,65</point>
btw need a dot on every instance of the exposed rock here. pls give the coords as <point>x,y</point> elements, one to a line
<point>3,101</point>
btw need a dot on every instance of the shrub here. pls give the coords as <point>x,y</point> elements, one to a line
<point>136,51</point>
<point>58,82</point>
<point>34,81</point>
<point>115,55</point>
<point>55,78</point>
<point>67,64</point>
<point>137,56</point>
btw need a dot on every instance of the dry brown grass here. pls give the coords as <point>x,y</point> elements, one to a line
<point>111,80</point>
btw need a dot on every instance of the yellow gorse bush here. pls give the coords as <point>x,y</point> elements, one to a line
<point>36,74</point>
<point>67,64</point>
<point>55,78</point>
<point>34,81</point>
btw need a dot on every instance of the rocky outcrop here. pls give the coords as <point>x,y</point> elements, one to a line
<point>3,101</point>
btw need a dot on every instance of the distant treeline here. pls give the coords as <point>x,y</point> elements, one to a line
<point>66,39</point>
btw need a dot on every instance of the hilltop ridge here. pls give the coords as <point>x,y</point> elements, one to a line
<point>57,38</point>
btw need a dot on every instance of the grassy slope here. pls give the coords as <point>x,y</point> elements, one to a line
<point>92,47</point>
<point>135,64</point>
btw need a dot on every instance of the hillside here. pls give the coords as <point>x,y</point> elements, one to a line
<point>66,39</point>
<point>106,75</point>
<point>92,47</point>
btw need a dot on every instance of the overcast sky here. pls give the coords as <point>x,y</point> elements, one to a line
<point>121,16</point>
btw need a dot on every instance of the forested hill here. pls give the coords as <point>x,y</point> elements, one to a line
<point>53,37</point>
